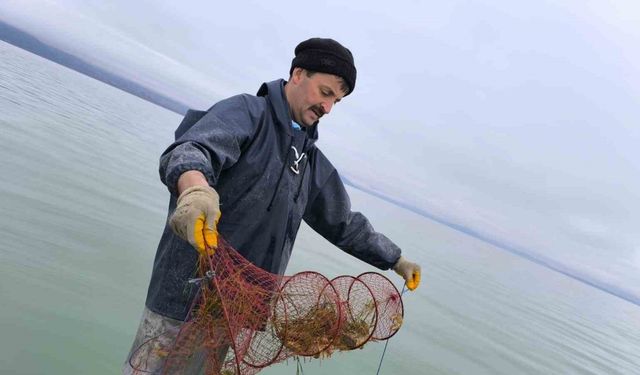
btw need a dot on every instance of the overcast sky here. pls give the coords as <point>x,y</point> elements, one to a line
<point>518,121</point>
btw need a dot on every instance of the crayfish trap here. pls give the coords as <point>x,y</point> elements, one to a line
<point>245,319</point>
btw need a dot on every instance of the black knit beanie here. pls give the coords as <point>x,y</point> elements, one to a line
<point>326,56</point>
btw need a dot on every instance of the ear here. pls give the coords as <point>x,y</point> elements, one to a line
<point>296,75</point>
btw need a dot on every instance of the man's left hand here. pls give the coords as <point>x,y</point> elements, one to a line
<point>409,271</point>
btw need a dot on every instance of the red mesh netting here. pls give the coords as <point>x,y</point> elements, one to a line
<point>245,318</point>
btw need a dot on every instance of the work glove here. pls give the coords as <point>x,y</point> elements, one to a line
<point>195,219</point>
<point>409,271</point>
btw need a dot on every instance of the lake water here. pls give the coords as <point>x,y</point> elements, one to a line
<point>83,208</point>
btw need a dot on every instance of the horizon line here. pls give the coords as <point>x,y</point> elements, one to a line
<point>522,253</point>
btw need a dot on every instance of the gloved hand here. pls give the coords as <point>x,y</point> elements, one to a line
<point>196,218</point>
<point>409,271</point>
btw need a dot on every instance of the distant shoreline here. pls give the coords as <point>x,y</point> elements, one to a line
<point>28,42</point>
<point>528,255</point>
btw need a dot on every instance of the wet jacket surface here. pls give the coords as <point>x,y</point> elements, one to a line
<point>249,152</point>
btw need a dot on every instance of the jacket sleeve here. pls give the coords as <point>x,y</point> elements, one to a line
<point>211,145</point>
<point>329,213</point>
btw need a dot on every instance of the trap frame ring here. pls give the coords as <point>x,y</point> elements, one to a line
<point>323,292</point>
<point>280,343</point>
<point>373,299</point>
<point>395,297</point>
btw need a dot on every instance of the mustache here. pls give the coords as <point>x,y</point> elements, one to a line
<point>318,110</point>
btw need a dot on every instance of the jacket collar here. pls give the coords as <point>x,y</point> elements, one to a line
<point>277,101</point>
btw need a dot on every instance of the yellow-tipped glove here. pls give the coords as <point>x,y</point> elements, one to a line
<point>196,218</point>
<point>409,271</point>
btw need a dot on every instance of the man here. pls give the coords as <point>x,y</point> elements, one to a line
<point>255,157</point>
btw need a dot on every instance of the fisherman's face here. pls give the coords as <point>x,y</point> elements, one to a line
<point>313,97</point>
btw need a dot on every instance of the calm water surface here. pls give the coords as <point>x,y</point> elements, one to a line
<point>82,210</point>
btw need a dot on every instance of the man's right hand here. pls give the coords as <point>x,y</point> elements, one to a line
<point>196,217</point>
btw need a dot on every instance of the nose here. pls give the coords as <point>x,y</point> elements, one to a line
<point>326,106</point>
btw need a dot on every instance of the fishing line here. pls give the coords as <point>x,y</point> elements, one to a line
<point>387,342</point>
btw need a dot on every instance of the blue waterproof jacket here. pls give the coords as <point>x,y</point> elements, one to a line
<point>252,156</point>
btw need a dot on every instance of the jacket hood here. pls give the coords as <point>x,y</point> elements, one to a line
<point>276,99</point>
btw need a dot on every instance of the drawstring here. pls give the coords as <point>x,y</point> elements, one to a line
<point>284,166</point>
<point>286,160</point>
<point>304,168</point>
<point>297,158</point>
